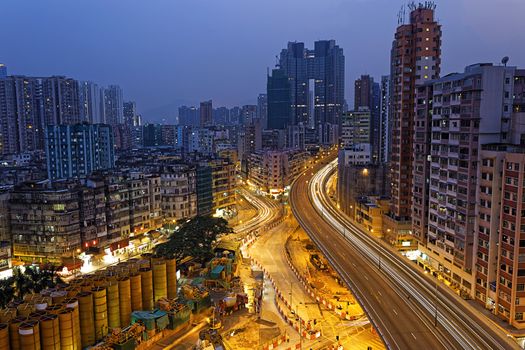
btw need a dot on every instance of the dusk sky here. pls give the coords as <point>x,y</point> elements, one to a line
<point>167,52</point>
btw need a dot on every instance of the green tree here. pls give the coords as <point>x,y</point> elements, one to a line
<point>32,280</point>
<point>195,238</point>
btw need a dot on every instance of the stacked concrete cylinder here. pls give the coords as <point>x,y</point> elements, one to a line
<point>6,315</point>
<point>72,304</point>
<point>4,336</point>
<point>124,288</point>
<point>58,296</point>
<point>87,319</point>
<point>29,334</point>
<point>54,309</point>
<point>41,303</point>
<point>146,278</point>
<point>171,274</point>
<point>100,311</point>
<point>14,338</point>
<point>136,292</point>
<point>72,291</point>
<point>50,332</point>
<point>37,315</point>
<point>25,309</point>
<point>160,281</point>
<point>67,329</point>
<point>113,304</point>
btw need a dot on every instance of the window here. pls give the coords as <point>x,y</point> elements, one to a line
<point>59,207</point>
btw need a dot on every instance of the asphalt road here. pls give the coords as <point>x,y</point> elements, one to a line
<point>400,300</point>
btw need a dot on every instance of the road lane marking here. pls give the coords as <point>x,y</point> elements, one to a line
<point>394,311</point>
<point>366,278</point>
<point>378,292</point>
<point>413,336</point>
<point>353,265</point>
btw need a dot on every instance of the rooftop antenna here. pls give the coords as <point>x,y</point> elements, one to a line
<point>505,60</point>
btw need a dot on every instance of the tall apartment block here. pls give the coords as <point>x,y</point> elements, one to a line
<point>206,114</point>
<point>188,116</point>
<point>500,227</point>
<point>356,136</point>
<point>279,100</point>
<point>61,103</point>
<point>262,110</point>
<point>3,71</point>
<point>78,150</point>
<point>415,60</point>
<point>421,164</point>
<point>20,114</point>
<point>248,114</point>
<point>113,105</point>
<point>385,134</point>
<point>91,103</point>
<point>129,113</point>
<point>367,94</point>
<point>464,111</point>
<point>316,80</point>
<point>29,104</point>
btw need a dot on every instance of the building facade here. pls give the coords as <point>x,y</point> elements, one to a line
<point>78,150</point>
<point>415,59</point>
<point>206,114</point>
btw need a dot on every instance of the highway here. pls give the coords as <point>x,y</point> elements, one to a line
<point>399,299</point>
<point>266,212</point>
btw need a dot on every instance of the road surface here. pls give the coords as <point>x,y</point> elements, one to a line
<point>399,299</point>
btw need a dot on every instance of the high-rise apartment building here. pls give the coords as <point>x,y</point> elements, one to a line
<point>113,105</point>
<point>356,127</point>
<point>129,111</point>
<point>206,113</point>
<point>77,150</point>
<point>279,100</point>
<point>367,94</point>
<point>29,104</point>
<point>189,116</point>
<point>262,110</point>
<point>468,110</point>
<point>3,71</point>
<point>421,164</point>
<point>415,60</point>
<point>363,91</point>
<point>20,115</point>
<point>316,79</point>
<point>91,103</point>
<point>385,121</point>
<point>221,116</point>
<point>61,101</point>
<point>248,114</point>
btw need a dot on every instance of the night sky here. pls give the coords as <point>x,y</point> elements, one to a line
<point>168,52</point>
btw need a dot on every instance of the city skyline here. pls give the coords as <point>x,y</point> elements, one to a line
<point>233,77</point>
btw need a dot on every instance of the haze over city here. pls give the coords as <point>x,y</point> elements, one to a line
<point>182,52</point>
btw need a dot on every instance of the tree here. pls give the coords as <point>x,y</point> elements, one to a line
<point>32,280</point>
<point>195,238</point>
